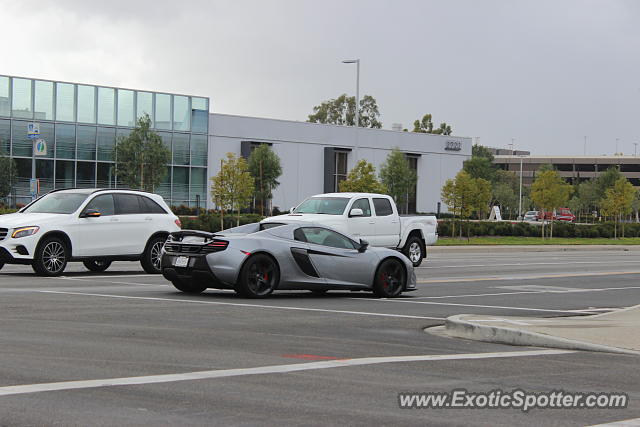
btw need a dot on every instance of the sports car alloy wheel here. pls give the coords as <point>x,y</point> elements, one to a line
<point>390,279</point>
<point>259,277</point>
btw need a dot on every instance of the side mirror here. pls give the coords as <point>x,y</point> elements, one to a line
<point>90,213</point>
<point>292,209</point>
<point>356,212</point>
<point>363,245</point>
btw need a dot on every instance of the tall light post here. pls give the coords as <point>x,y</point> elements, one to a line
<point>635,149</point>
<point>585,145</point>
<point>520,195</point>
<point>357,62</point>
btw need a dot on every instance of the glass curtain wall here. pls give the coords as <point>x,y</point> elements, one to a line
<point>80,125</point>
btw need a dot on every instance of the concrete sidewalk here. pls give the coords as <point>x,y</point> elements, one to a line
<point>616,332</point>
<point>530,248</point>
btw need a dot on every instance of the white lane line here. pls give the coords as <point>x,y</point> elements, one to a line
<point>112,276</point>
<point>522,277</point>
<point>89,279</point>
<point>233,304</point>
<point>274,369</point>
<point>524,264</point>
<point>472,305</point>
<point>480,295</point>
<point>622,288</point>
<point>624,423</point>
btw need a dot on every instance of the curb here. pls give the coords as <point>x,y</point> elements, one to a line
<point>532,248</point>
<point>456,327</point>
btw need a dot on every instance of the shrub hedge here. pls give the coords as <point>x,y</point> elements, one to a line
<point>560,229</point>
<point>210,221</point>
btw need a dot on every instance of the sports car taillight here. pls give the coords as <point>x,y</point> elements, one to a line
<point>215,246</point>
<point>178,223</point>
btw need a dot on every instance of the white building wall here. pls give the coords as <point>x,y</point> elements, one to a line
<point>300,147</point>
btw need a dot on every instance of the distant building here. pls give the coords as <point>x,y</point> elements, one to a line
<point>574,169</point>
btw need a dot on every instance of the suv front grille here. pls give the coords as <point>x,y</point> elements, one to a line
<point>3,233</point>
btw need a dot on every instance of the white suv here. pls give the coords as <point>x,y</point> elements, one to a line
<point>96,227</point>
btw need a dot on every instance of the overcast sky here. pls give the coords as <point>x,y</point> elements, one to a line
<point>547,73</point>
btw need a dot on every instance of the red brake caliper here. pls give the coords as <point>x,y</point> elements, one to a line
<point>383,277</point>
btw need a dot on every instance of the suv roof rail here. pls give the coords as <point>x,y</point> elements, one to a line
<point>119,188</point>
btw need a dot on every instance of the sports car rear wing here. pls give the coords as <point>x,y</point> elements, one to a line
<point>179,235</point>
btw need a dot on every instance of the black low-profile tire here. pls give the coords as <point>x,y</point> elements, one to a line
<point>259,277</point>
<point>51,257</point>
<point>189,286</point>
<point>97,265</point>
<point>414,250</point>
<point>391,278</point>
<point>151,260</point>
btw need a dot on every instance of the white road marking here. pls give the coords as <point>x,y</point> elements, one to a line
<point>233,304</point>
<point>511,321</point>
<point>529,292</point>
<point>274,369</point>
<point>472,305</point>
<point>90,279</point>
<point>524,264</point>
<point>464,279</point>
<point>635,422</point>
<point>113,276</point>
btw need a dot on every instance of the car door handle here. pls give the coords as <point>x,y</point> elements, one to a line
<point>148,219</point>
<point>372,222</point>
<point>114,220</point>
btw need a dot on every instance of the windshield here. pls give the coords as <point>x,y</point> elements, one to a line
<point>532,213</point>
<point>323,205</point>
<point>57,203</point>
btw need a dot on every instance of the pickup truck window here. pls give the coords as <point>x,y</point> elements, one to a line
<point>383,207</point>
<point>323,205</point>
<point>364,205</point>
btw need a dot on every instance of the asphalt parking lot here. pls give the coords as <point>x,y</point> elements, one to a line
<point>125,348</point>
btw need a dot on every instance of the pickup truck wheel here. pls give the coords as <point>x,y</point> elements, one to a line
<point>97,265</point>
<point>391,279</point>
<point>414,250</point>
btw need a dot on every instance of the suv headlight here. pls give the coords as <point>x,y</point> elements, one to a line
<point>25,231</point>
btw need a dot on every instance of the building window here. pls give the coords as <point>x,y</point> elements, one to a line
<point>43,100</point>
<point>106,178</point>
<point>199,150</point>
<point>199,115</point>
<point>65,174</point>
<point>181,148</point>
<point>65,102</point>
<point>125,108</point>
<point>106,106</point>
<point>46,133</point>
<point>181,114</point>
<point>5,136</point>
<point>145,105</point>
<point>65,142</point>
<point>21,102</point>
<point>22,146</point>
<point>86,143</point>
<point>163,111</point>
<point>86,104</point>
<point>106,143</point>
<point>340,168</point>
<point>44,172</point>
<point>412,197</point>
<point>5,106</point>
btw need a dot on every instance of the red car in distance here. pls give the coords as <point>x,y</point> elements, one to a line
<point>561,214</point>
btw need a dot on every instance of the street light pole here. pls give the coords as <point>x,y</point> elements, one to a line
<point>520,196</point>
<point>357,123</point>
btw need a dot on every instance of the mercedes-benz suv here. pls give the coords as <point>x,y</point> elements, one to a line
<point>93,226</point>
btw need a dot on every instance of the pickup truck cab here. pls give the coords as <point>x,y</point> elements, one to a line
<point>370,217</point>
<point>560,214</point>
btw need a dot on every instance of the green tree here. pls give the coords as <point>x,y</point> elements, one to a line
<point>141,157</point>
<point>232,188</point>
<point>459,194</point>
<point>585,198</point>
<point>607,180</point>
<point>504,196</point>
<point>362,179</point>
<point>549,191</point>
<point>397,177</point>
<point>264,166</point>
<point>425,125</point>
<point>481,196</point>
<point>342,111</point>
<point>618,201</point>
<point>480,165</point>
<point>7,174</point>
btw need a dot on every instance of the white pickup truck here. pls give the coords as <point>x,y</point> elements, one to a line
<point>371,217</point>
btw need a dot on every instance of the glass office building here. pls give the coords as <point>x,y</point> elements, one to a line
<point>80,125</point>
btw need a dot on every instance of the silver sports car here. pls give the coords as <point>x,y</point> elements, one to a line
<point>257,259</point>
